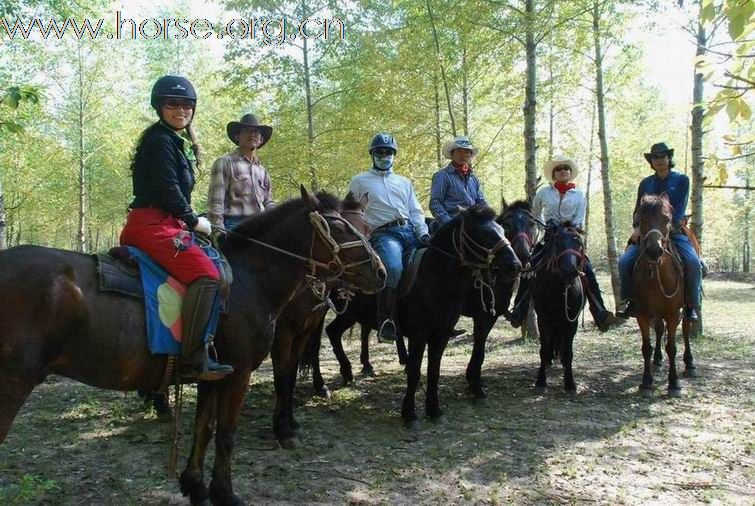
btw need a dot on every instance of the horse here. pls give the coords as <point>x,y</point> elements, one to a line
<point>57,322</point>
<point>300,319</point>
<point>559,299</point>
<point>520,227</point>
<point>658,285</point>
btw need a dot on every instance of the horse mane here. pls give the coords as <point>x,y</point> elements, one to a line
<point>517,205</point>
<point>351,203</point>
<point>654,204</point>
<point>258,223</point>
<point>478,212</point>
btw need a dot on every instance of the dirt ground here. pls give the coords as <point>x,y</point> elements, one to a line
<point>72,444</point>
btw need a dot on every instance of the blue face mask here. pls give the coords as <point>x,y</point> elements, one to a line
<point>383,163</point>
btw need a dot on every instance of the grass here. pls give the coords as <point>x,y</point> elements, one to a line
<point>73,444</point>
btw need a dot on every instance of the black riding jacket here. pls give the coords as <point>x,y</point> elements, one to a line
<point>163,176</point>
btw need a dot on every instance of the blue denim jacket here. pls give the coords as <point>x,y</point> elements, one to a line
<point>675,186</point>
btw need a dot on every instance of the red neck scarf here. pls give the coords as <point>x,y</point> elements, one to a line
<point>463,170</point>
<point>563,187</point>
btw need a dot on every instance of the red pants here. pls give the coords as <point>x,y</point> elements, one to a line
<point>158,234</point>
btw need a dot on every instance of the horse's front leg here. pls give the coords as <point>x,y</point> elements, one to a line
<point>646,388</point>
<point>192,478</point>
<point>674,388</point>
<point>567,358</point>
<point>283,364</point>
<point>545,329</point>
<point>658,351</point>
<point>230,400</point>
<point>435,348</point>
<point>483,324</point>
<point>413,371</point>
<point>364,356</point>
<point>689,363</point>
<point>335,330</point>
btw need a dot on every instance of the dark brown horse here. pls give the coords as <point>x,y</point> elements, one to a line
<point>300,319</point>
<point>55,321</point>
<point>658,284</point>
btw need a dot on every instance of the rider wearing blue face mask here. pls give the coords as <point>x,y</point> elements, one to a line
<point>396,218</point>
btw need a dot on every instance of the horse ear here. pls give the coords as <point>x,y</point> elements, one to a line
<point>364,200</point>
<point>309,199</point>
<point>664,196</point>
<point>504,205</point>
<point>460,208</point>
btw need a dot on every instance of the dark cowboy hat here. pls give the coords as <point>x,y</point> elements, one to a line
<point>659,148</point>
<point>248,120</point>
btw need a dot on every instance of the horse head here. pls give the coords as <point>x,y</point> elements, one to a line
<point>520,226</point>
<point>478,242</point>
<point>567,250</point>
<point>655,217</point>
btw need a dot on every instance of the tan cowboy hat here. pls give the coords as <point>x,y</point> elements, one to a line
<point>248,120</point>
<point>458,142</point>
<point>560,160</point>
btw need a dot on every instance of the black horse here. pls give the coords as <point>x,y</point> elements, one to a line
<point>520,226</point>
<point>559,299</point>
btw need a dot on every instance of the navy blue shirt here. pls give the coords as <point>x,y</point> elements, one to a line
<point>676,188</point>
<point>450,189</point>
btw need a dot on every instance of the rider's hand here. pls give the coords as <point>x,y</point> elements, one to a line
<point>203,226</point>
<point>635,236</point>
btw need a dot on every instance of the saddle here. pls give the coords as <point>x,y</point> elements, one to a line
<point>409,276</point>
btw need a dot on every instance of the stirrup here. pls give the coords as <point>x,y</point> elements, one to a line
<point>385,334</point>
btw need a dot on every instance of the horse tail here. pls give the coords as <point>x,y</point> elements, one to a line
<point>312,350</point>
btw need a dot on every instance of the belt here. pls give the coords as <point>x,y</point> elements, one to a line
<point>395,223</point>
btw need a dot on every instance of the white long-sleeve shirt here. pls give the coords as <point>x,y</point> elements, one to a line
<point>548,204</point>
<point>391,198</point>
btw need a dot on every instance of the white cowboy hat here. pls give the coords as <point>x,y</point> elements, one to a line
<point>560,160</point>
<point>458,142</point>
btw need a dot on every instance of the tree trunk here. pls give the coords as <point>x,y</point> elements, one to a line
<point>604,160</point>
<point>2,218</point>
<point>465,90</point>
<point>586,225</point>
<point>698,178</point>
<point>81,243</point>
<point>439,58</point>
<point>438,133</point>
<point>530,103</point>
<point>313,182</point>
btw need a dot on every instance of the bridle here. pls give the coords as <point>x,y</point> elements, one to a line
<point>656,264</point>
<point>553,264</point>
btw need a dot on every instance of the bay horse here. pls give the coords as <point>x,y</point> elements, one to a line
<point>300,319</point>
<point>520,227</point>
<point>57,322</point>
<point>559,299</point>
<point>658,286</point>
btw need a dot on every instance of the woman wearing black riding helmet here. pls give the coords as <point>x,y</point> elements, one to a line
<point>161,217</point>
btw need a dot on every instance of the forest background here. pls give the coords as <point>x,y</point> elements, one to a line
<point>596,80</point>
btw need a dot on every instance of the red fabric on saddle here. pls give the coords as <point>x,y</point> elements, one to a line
<point>162,236</point>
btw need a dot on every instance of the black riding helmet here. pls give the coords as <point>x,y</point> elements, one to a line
<point>383,140</point>
<point>171,87</point>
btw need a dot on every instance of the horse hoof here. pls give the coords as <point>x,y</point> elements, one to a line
<point>203,502</point>
<point>439,420</point>
<point>368,372</point>
<point>323,392</point>
<point>691,372</point>
<point>571,394</point>
<point>479,401</point>
<point>674,392</point>
<point>291,443</point>
<point>413,425</point>
<point>646,392</point>
<point>540,390</point>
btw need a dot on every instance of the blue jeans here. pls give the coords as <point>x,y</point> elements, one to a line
<point>692,269</point>
<point>394,246</point>
<point>230,222</point>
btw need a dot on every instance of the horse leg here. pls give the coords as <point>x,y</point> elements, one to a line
<point>689,364</point>
<point>483,324</point>
<point>230,400</point>
<point>318,384</point>
<point>295,426</point>
<point>192,478</point>
<point>674,388</point>
<point>658,353</point>
<point>335,331</point>
<point>403,356</point>
<point>13,393</point>
<point>364,356</point>
<point>567,357</point>
<point>282,367</point>
<point>646,388</point>
<point>546,354</point>
<point>435,349</point>
<point>413,371</point>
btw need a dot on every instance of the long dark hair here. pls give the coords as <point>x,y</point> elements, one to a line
<point>139,150</point>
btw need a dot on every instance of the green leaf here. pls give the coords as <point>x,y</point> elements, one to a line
<point>707,11</point>
<point>744,110</point>
<point>732,110</point>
